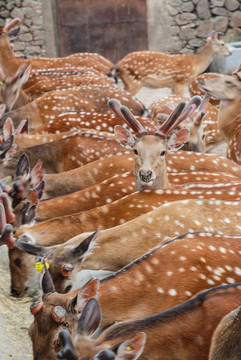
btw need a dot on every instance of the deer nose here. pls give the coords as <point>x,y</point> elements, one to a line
<point>145,175</point>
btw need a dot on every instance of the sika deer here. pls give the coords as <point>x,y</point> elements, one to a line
<point>92,98</point>
<point>160,69</point>
<point>228,89</point>
<point>10,63</point>
<point>182,332</point>
<point>72,150</point>
<point>63,228</point>
<point>101,122</point>
<point>150,150</point>
<point>66,82</point>
<point>175,271</point>
<point>124,243</point>
<point>39,76</point>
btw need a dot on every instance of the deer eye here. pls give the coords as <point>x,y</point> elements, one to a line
<point>135,151</point>
<point>163,153</point>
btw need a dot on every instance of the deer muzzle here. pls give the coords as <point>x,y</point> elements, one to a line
<point>145,176</point>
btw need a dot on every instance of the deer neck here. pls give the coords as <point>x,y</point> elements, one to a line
<point>204,57</point>
<point>22,100</point>
<point>8,61</point>
<point>228,117</point>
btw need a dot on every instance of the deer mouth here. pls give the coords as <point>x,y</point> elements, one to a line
<point>148,182</point>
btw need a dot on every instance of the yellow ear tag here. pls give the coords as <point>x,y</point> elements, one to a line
<point>39,266</point>
<point>128,348</point>
<point>1,83</point>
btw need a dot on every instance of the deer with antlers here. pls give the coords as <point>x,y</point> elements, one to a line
<point>227,89</point>
<point>74,120</point>
<point>203,126</point>
<point>160,69</point>
<point>150,171</point>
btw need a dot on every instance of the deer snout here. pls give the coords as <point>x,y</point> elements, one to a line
<point>145,175</point>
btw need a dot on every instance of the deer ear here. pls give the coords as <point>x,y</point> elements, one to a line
<point>8,128</point>
<point>213,35</point>
<point>88,291</point>
<point>30,247</point>
<point>23,166</point>
<point>132,348</point>
<point>28,213</point>
<point>39,189</point>
<point>90,318</point>
<point>25,76</point>
<point>37,173</point>
<point>22,128</point>
<point>6,146</point>
<point>86,246</point>
<point>2,109</point>
<point>178,139</point>
<point>124,137</point>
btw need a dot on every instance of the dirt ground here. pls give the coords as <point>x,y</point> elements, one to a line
<point>15,316</point>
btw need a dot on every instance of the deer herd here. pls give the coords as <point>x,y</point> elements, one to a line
<point>101,182</point>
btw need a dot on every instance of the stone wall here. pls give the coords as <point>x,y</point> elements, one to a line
<point>191,20</point>
<point>30,40</point>
<point>173,25</point>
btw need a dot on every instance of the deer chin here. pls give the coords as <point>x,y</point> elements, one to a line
<point>148,183</point>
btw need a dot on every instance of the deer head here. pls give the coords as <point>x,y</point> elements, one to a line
<point>11,87</point>
<point>150,149</point>
<point>217,44</point>
<point>51,316</point>
<point>6,52</point>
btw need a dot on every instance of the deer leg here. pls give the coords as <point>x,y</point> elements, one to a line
<point>178,89</point>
